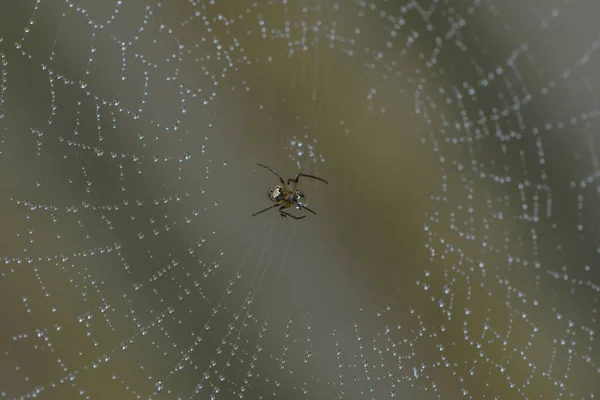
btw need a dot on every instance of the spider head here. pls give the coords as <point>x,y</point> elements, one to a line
<point>275,193</point>
<point>299,199</point>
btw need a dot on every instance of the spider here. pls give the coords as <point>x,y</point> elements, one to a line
<point>284,197</point>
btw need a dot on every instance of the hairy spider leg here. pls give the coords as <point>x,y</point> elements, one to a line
<point>279,176</point>
<point>287,214</point>
<point>266,209</point>
<point>308,209</point>
<point>295,180</point>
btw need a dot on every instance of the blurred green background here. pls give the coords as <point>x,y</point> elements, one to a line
<point>455,251</point>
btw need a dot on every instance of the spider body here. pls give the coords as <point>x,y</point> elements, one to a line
<point>280,193</point>
<point>286,197</point>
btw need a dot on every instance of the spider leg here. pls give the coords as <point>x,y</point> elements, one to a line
<point>266,209</point>
<point>295,180</point>
<point>287,214</point>
<point>279,176</point>
<point>308,209</point>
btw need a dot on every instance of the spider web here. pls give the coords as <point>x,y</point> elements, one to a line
<point>454,253</point>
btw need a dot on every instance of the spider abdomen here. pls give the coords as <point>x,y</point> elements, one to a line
<point>276,193</point>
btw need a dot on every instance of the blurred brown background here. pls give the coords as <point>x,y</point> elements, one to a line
<point>454,253</point>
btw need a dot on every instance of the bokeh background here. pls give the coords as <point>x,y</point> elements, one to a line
<point>455,251</point>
